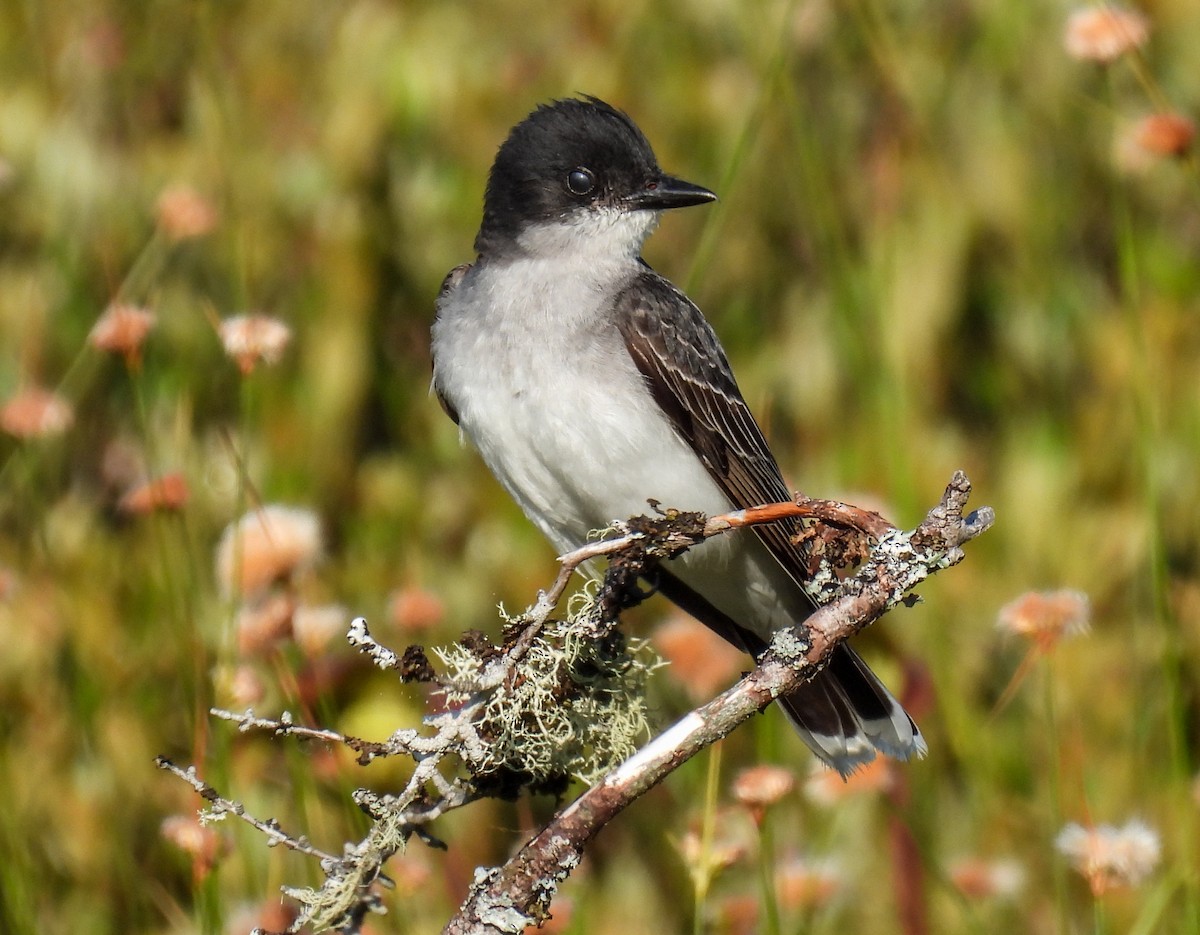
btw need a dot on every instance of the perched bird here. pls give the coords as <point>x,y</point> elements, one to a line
<point>590,384</point>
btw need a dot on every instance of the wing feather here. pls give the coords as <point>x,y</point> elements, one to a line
<point>844,713</point>
<point>689,375</point>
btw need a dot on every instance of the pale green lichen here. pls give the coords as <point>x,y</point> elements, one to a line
<point>347,886</point>
<point>573,706</point>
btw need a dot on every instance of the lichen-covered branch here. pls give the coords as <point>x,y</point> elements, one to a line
<point>560,697</point>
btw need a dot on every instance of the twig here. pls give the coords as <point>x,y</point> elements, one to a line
<point>219,807</point>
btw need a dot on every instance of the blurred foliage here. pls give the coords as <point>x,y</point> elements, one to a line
<point>932,251</point>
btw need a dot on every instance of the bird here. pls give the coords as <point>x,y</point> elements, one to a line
<point>591,385</point>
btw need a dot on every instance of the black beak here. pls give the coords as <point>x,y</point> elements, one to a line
<point>666,191</point>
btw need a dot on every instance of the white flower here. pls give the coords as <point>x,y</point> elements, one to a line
<point>1109,856</point>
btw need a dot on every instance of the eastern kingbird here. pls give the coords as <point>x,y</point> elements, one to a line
<point>590,384</point>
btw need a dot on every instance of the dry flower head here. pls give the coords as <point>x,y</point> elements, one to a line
<point>1165,134</point>
<point>762,786</point>
<point>36,413</point>
<point>267,545</point>
<point>253,339</point>
<point>122,329</point>
<point>169,492</point>
<point>977,878</point>
<point>1104,33</point>
<point>415,609</point>
<point>184,213</point>
<point>803,883</point>
<point>1046,617</point>
<point>1109,857</point>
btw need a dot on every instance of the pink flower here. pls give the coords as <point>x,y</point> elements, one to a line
<point>1104,33</point>
<point>760,787</point>
<point>169,493</point>
<point>266,545</point>
<point>1165,134</point>
<point>249,339</point>
<point>122,329</point>
<point>313,628</point>
<point>803,883</point>
<point>184,213</point>
<point>977,878</point>
<point>700,660</point>
<point>1108,856</point>
<point>199,841</point>
<point>36,413</point>
<point>414,609</point>
<point>1046,617</point>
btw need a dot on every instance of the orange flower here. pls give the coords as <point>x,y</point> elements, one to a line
<point>977,878</point>
<point>1046,617</point>
<point>760,787</point>
<point>239,687</point>
<point>414,609</point>
<point>184,213</point>
<point>36,413</point>
<point>249,339</point>
<point>738,914</point>
<point>1104,33</point>
<point>122,329</point>
<point>200,842</point>
<point>807,884</point>
<point>10,583</point>
<point>731,843</point>
<point>169,492</point>
<point>701,661</point>
<point>1165,134</point>
<point>263,623</point>
<point>266,545</point>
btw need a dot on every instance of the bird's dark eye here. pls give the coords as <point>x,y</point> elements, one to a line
<point>580,180</point>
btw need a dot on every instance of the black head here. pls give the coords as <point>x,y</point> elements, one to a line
<point>571,156</point>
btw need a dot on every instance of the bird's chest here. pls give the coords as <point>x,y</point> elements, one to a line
<point>532,358</point>
<point>545,389</point>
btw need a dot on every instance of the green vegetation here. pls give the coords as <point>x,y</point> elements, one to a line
<point>942,242</point>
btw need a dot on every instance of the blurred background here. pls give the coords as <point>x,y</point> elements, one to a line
<point>950,235</point>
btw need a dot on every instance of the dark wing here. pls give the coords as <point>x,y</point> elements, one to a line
<point>844,713</point>
<point>453,278</point>
<point>686,370</point>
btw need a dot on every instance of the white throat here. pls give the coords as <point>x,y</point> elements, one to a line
<point>593,234</point>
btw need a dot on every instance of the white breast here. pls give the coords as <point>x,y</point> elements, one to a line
<point>548,394</point>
